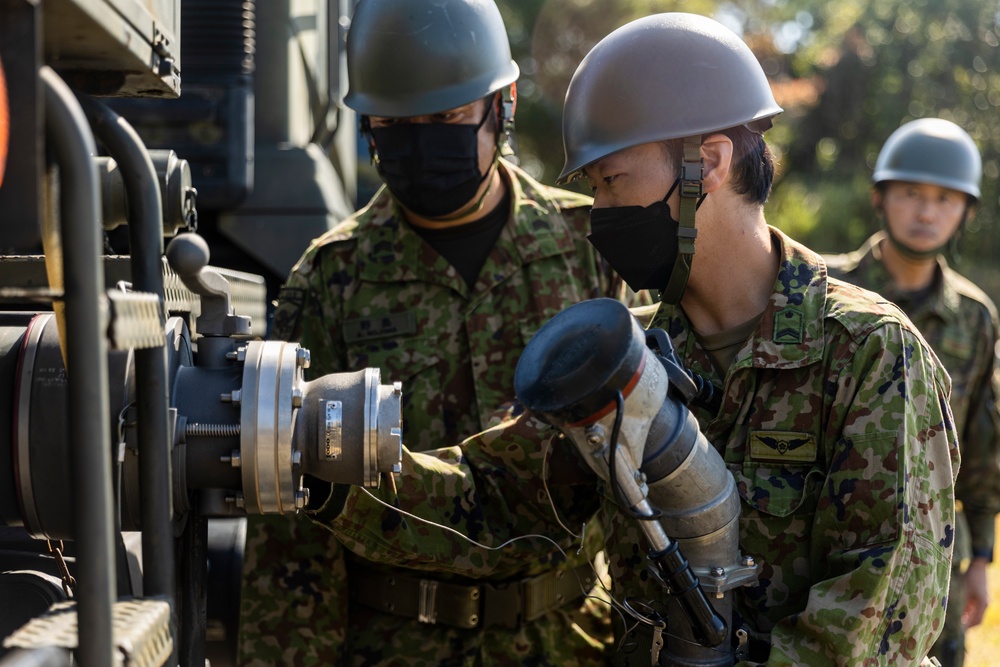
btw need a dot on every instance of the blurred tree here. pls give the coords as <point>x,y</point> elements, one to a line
<point>878,64</point>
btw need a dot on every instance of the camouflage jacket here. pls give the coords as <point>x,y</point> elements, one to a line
<point>372,292</point>
<point>853,530</point>
<point>959,322</point>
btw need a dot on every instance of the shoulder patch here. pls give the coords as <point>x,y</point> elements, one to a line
<point>288,313</point>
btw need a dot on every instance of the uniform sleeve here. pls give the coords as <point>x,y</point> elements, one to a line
<point>978,487</point>
<point>499,497</point>
<point>882,534</point>
<point>308,312</point>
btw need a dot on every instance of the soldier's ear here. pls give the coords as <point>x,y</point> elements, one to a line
<point>875,196</point>
<point>717,158</point>
<point>970,210</point>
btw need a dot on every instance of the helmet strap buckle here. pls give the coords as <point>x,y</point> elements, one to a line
<point>692,170</point>
<point>691,192</point>
<point>507,105</point>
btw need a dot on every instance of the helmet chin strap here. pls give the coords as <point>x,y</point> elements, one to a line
<point>692,169</point>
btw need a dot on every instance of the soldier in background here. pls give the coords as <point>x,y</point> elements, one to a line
<point>439,281</point>
<point>853,526</point>
<point>926,185</point>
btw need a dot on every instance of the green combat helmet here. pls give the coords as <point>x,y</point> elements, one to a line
<point>425,56</point>
<point>666,76</point>
<point>934,151</point>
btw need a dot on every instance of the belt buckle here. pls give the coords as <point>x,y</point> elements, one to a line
<point>503,604</point>
<point>426,608</point>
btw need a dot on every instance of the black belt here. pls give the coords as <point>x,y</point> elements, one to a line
<point>485,604</point>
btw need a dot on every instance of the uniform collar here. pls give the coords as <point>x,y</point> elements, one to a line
<point>942,301</point>
<point>791,331</point>
<point>390,251</point>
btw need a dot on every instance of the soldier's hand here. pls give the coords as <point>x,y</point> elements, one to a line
<point>977,595</point>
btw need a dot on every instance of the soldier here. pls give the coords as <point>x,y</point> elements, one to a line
<point>926,184</point>
<point>854,527</point>
<point>439,281</point>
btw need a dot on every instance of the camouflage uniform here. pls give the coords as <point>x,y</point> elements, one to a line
<point>371,292</point>
<point>960,323</point>
<point>853,529</point>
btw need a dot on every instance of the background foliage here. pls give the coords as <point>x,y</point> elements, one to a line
<point>847,73</point>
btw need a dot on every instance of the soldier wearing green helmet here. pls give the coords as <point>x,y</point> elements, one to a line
<point>439,281</point>
<point>852,527</point>
<point>926,184</point>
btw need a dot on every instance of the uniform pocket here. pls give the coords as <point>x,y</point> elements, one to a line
<point>424,373</point>
<point>778,489</point>
<point>400,358</point>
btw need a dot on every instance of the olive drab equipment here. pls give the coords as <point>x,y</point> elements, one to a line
<point>666,76</point>
<point>933,151</point>
<point>425,56</point>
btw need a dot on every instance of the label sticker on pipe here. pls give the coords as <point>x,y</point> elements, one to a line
<point>333,445</point>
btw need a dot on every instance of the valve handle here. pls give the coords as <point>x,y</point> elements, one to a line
<point>188,256</point>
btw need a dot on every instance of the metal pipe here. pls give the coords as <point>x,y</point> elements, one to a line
<point>69,137</point>
<point>142,188</point>
<point>146,247</point>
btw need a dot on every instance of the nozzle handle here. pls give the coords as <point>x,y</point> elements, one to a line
<point>674,572</point>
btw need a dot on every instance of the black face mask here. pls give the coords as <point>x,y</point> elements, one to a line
<point>639,242</point>
<point>431,169</point>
